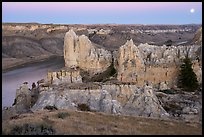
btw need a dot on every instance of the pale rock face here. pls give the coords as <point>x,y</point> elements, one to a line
<point>151,103</point>
<point>23,89</point>
<point>80,52</point>
<point>70,44</point>
<point>136,64</point>
<point>130,63</point>
<point>163,86</point>
<point>197,68</point>
<point>64,76</point>
<point>156,64</point>
<point>115,99</point>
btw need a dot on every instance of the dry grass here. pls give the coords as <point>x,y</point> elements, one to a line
<point>81,123</point>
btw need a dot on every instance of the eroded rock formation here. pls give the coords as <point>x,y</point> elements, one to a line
<point>155,64</point>
<point>81,52</point>
<point>22,101</point>
<point>139,69</point>
<point>130,63</point>
<point>139,64</point>
<point>64,76</point>
<point>117,99</point>
<point>186,106</point>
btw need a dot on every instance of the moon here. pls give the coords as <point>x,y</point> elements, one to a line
<point>192,10</point>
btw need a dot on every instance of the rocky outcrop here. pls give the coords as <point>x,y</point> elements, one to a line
<point>186,106</point>
<point>109,98</point>
<point>197,40</point>
<point>81,52</point>
<point>138,64</point>
<point>22,101</point>
<point>130,63</point>
<point>163,86</point>
<point>155,64</point>
<point>64,76</point>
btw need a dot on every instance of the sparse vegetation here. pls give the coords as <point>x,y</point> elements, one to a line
<point>172,108</point>
<point>51,107</point>
<point>32,129</point>
<point>62,115</point>
<point>187,78</point>
<point>83,107</point>
<point>133,63</point>
<point>112,70</point>
<point>168,42</point>
<point>94,123</point>
<point>104,76</point>
<point>100,77</point>
<point>167,91</point>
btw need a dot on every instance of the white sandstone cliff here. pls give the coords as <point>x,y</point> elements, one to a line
<point>81,52</point>
<point>155,64</point>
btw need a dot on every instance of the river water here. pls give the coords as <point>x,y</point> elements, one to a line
<point>11,80</point>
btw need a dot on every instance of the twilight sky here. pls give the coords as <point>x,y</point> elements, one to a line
<point>103,12</point>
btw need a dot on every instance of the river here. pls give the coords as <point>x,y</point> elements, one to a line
<point>11,80</point>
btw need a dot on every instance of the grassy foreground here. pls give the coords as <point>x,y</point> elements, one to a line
<point>70,122</point>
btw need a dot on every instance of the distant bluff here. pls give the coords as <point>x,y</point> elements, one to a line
<point>19,39</point>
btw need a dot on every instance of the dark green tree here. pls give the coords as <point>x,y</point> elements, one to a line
<point>187,78</point>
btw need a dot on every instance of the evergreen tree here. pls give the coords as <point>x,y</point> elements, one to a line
<point>187,78</point>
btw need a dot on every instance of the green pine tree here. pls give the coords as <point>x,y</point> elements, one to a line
<point>187,78</point>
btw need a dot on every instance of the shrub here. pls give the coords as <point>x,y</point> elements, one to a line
<point>62,115</point>
<point>167,91</point>
<point>172,107</point>
<point>105,75</point>
<point>51,107</point>
<point>187,77</point>
<point>168,42</point>
<point>112,70</point>
<point>83,107</point>
<point>32,129</point>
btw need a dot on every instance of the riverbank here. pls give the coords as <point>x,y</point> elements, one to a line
<point>9,64</point>
<point>29,72</point>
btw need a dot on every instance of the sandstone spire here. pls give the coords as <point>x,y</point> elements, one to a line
<point>130,62</point>
<point>80,52</point>
<point>70,53</point>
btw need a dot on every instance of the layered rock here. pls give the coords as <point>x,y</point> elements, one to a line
<point>155,64</point>
<point>81,52</point>
<point>64,76</point>
<point>130,63</point>
<point>186,106</point>
<point>116,99</point>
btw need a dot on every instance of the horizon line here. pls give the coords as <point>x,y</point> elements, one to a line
<point>102,23</point>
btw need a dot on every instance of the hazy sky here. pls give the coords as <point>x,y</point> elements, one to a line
<point>103,12</point>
